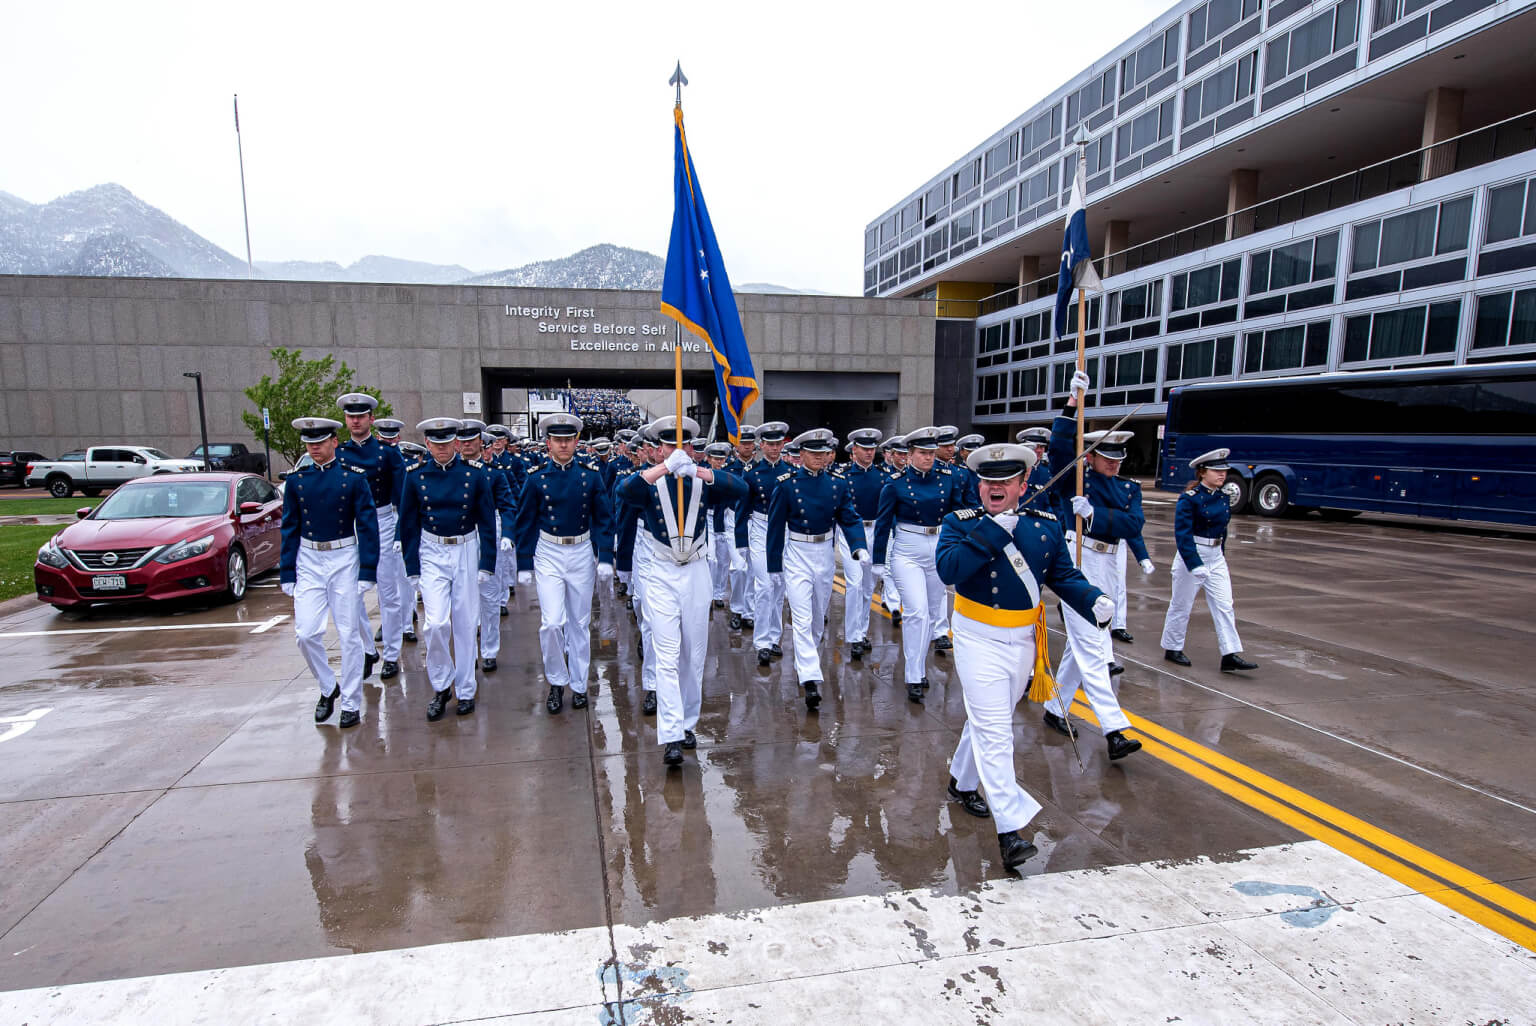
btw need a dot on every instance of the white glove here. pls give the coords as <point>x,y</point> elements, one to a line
<point>677,461</point>
<point>397,547</point>
<point>506,544</point>
<point>861,556</point>
<point>744,553</point>
<point>288,589</point>
<point>777,579</point>
<point>1201,572</point>
<point>525,577</point>
<point>415,582</point>
<point>687,470</point>
<point>605,572</point>
<point>363,587</point>
<point>1007,521</point>
<point>485,575</point>
<point>1080,382</point>
<point>1147,567</point>
<point>1082,507</point>
<point>1104,610</point>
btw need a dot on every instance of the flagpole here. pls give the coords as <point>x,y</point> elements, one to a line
<point>245,210</point>
<point>678,80</point>
<point>1081,141</point>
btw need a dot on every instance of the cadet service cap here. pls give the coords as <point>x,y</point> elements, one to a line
<point>816,440</point>
<point>664,429</point>
<point>946,434</point>
<point>471,429</point>
<point>560,425</point>
<point>1111,444</point>
<point>388,427</point>
<point>1001,462</point>
<point>316,429</point>
<point>923,438</point>
<point>356,403</point>
<point>866,437</point>
<point>746,433</point>
<point>1216,459</point>
<point>773,431</point>
<point>1034,436</point>
<point>970,442</point>
<point>439,429</point>
<point>719,450</point>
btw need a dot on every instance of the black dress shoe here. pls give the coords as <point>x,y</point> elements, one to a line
<point>970,801</point>
<point>1233,662</point>
<point>689,741</point>
<point>1120,746</point>
<point>326,704</point>
<point>1015,850</point>
<point>438,705</point>
<point>389,670</point>
<point>1177,656</point>
<point>673,756</point>
<point>719,603</point>
<point>896,618</point>
<point>556,698</point>
<point>511,594</point>
<point>488,665</point>
<point>778,653</point>
<point>942,644</point>
<point>915,691</point>
<point>812,694</point>
<point>856,650</point>
<point>629,602</point>
<point>621,589</point>
<point>408,635</point>
<point>1121,634</point>
<point>349,718</point>
<point>378,635</point>
<point>648,707</point>
<point>368,661</point>
<point>764,656</point>
<point>748,623</point>
<point>505,611</point>
<point>926,685</point>
<point>578,699</point>
<point>734,622</point>
<point>465,707</point>
<point>1116,669</point>
<point>1058,724</point>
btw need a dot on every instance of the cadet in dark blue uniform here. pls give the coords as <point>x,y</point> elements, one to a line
<point>1038,441</point>
<point>498,456</point>
<point>330,556</point>
<point>1200,530</point>
<point>805,513</point>
<point>865,480</point>
<point>762,478</point>
<point>742,457</point>
<point>722,540</point>
<point>471,441</point>
<point>998,557</point>
<point>385,470</point>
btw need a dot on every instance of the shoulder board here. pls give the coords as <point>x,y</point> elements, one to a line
<point>943,470</point>
<point>967,514</point>
<point>355,470</point>
<point>1042,514</point>
<point>476,463</point>
<point>784,477</point>
<point>1190,493</point>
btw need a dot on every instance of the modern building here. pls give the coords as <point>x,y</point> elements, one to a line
<point>1274,187</point>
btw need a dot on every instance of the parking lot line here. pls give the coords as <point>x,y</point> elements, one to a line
<point>260,628</point>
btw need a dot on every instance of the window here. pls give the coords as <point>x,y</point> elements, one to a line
<point>935,242</point>
<point>990,387</point>
<point>1506,319</point>
<point>997,209</point>
<point>1100,153</point>
<point>1211,358</point>
<point>935,198</point>
<point>994,337</point>
<point>871,241</point>
<point>1137,303</point>
<point>912,214</point>
<point>966,179</point>
<point>1389,11</point>
<point>1416,235</point>
<point>1209,21</point>
<point>1003,154</point>
<point>1064,371</point>
<point>1161,52</point>
<point>963,227</point>
<point>1312,41</point>
<point>1123,369</point>
<point>1035,190</point>
<point>1511,212</point>
<point>1220,90</point>
<point>1030,383</point>
<point>888,268</point>
<point>911,256</point>
<point>1090,99</point>
<point>1214,284</point>
<point>1403,333</point>
<point>1286,348</point>
<point>888,230</point>
<point>1144,130</point>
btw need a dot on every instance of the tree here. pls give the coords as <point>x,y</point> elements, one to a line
<point>304,388</point>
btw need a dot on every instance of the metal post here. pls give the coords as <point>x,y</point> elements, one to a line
<point>250,268</point>
<point>202,415</point>
<point>266,441</point>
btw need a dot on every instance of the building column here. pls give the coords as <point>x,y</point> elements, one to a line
<point>1442,120</point>
<point>1117,236</point>
<point>1029,270</point>
<point>1242,194</point>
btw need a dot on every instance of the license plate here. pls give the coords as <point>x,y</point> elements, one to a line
<point>109,582</point>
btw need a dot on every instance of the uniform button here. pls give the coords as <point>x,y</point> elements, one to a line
<point>994,591</point>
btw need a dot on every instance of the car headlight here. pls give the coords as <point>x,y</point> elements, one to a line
<point>186,549</point>
<point>49,555</point>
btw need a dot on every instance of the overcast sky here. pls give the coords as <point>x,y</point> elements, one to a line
<point>494,134</point>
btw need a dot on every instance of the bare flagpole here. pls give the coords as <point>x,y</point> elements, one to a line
<point>250,268</point>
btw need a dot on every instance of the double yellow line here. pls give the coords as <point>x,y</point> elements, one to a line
<point>1505,912</point>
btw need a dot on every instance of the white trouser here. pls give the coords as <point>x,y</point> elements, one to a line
<point>740,570</point>
<point>643,559</point>
<point>722,550</point>
<point>563,576</point>
<point>767,593</point>
<point>1119,594</point>
<point>1218,596</point>
<point>1086,656</point>
<point>450,609</point>
<point>677,600</point>
<point>858,593</point>
<point>922,596</point>
<point>392,589</point>
<point>327,585</point>
<point>490,606</point>
<point>890,595</point>
<point>506,569</point>
<point>808,568</point>
<point>995,665</point>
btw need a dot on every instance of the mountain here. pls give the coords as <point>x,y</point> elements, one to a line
<point>768,288</point>
<point>596,267</point>
<point>115,255</point>
<point>369,269</point>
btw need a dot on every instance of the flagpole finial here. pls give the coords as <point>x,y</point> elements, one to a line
<point>1080,137</point>
<point>678,79</point>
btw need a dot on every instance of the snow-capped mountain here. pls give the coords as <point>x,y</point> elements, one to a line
<point>596,267</point>
<point>369,269</point>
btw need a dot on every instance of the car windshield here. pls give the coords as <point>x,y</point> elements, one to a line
<point>157,454</point>
<point>165,499</point>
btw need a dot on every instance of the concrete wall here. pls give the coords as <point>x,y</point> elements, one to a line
<point>96,360</point>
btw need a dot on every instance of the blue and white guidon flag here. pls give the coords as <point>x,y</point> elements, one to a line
<point>1076,260</point>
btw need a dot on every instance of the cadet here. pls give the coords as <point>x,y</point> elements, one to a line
<point>632,556</point>
<point>1200,529</point>
<point>330,556</point>
<point>912,505</point>
<point>792,454</point>
<point>895,453</point>
<point>949,443</point>
<point>385,470</point>
<point>388,429</point>
<point>1038,440</point>
<point>448,538</point>
<point>470,441</point>
<point>762,478</point>
<point>967,445</point>
<point>805,513</point>
<point>865,481</point>
<point>742,458</point>
<point>563,515</point>
<point>501,457</point>
<point>1137,547</point>
<point>677,583</point>
<point>722,536</point>
<point>1111,510</point>
<point>997,557</point>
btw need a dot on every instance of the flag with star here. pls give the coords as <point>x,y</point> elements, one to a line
<point>696,292</point>
<point>1076,259</point>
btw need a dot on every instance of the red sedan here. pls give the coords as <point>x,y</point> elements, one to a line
<point>164,538</point>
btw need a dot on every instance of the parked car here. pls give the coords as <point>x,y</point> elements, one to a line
<point>105,466</point>
<point>231,456</point>
<point>13,465</point>
<point>164,538</point>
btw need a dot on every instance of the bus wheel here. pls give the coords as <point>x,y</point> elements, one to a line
<point>1236,489</point>
<point>1270,496</point>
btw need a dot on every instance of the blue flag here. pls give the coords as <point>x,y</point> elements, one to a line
<point>696,292</point>
<point>1076,259</point>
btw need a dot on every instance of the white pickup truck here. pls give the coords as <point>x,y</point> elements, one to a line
<point>104,466</point>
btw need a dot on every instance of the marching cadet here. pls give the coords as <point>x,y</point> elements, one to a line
<point>448,538</point>
<point>792,454</point>
<point>912,505</point>
<point>1137,547</point>
<point>388,429</point>
<point>741,461</point>
<point>1111,511</point>
<point>967,445</point>
<point>997,557</point>
<point>677,586</point>
<point>722,536</point>
<point>1200,529</point>
<point>499,456</point>
<point>804,514</point>
<point>330,556</point>
<point>633,556</point>
<point>1038,441</point>
<point>762,478</point>
<point>564,514</point>
<point>385,470</point>
<point>471,440</point>
<point>895,451</point>
<point>865,480</point>
<point>949,444</point>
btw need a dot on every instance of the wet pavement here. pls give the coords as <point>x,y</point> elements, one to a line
<point>175,808</point>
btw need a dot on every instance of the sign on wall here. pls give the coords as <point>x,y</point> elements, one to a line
<point>471,402</point>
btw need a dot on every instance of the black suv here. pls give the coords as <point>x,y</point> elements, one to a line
<point>13,465</point>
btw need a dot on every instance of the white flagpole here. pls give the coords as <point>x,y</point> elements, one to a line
<point>245,210</point>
